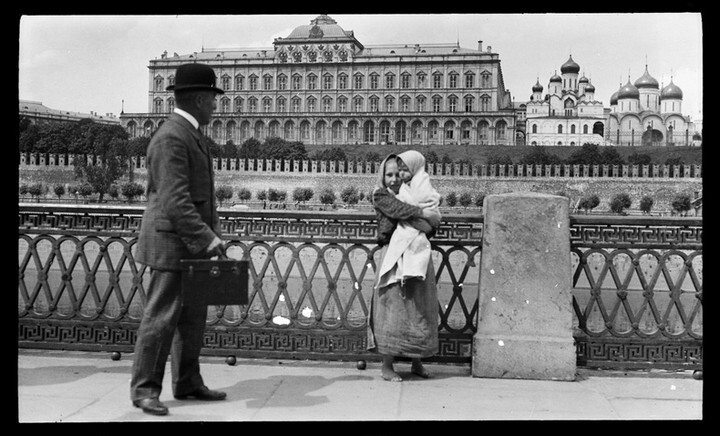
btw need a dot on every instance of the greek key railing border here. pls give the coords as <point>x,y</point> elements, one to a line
<point>91,324</point>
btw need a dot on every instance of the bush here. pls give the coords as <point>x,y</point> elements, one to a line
<point>350,195</point>
<point>646,204</point>
<point>261,195</point>
<point>465,199</point>
<point>131,190</point>
<point>59,190</point>
<point>451,199</point>
<point>327,196</point>
<point>589,203</point>
<point>85,190</point>
<point>681,204</point>
<point>114,192</point>
<point>244,194</point>
<point>23,189</point>
<point>223,193</point>
<point>620,202</point>
<point>302,194</point>
<point>36,190</point>
<point>276,195</point>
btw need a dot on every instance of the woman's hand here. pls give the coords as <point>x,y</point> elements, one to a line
<point>432,216</point>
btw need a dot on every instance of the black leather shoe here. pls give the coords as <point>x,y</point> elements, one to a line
<point>152,406</point>
<point>203,393</point>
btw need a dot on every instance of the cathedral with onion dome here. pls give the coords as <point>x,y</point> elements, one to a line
<point>647,113</point>
<point>640,113</point>
<point>568,113</point>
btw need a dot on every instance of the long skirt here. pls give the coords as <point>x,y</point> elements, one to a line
<point>403,319</point>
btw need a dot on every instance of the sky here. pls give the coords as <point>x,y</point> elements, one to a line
<point>99,63</point>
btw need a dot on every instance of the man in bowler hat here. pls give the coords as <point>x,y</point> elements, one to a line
<point>179,222</point>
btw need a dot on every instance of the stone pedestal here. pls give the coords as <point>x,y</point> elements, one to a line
<point>524,326</point>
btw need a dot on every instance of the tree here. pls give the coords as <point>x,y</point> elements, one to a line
<point>59,190</point>
<point>431,157</point>
<point>250,149</point>
<point>589,154</point>
<point>610,156</point>
<point>479,199</point>
<point>639,159</point>
<point>138,146</point>
<point>261,195</point>
<point>589,203</point>
<point>223,192</point>
<point>327,196</point>
<point>302,194</point>
<point>620,202</point>
<point>131,190</point>
<point>540,156</point>
<point>335,153</point>
<point>681,204</point>
<point>113,153</point>
<point>85,190</point>
<point>451,199</point>
<point>114,192</point>
<point>373,156</point>
<point>244,194</point>
<point>36,190</point>
<point>646,204</point>
<point>277,148</point>
<point>229,150</point>
<point>350,195</point>
<point>465,199</point>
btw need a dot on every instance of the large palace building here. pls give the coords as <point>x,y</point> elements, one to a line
<point>321,85</point>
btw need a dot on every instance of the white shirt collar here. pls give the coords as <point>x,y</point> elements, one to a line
<point>188,117</point>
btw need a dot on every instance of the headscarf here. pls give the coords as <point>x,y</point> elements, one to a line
<point>414,160</point>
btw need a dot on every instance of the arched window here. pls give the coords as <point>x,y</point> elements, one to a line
<point>400,132</point>
<point>559,129</point>
<point>225,104</point>
<point>534,128</point>
<point>159,81</point>
<point>157,106</point>
<point>585,129</point>
<point>369,132</point>
<point>572,128</point>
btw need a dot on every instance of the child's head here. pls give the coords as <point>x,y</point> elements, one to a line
<point>409,164</point>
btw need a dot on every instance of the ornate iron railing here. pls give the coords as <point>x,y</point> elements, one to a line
<point>312,275</point>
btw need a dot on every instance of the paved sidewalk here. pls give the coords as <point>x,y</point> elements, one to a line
<point>68,386</point>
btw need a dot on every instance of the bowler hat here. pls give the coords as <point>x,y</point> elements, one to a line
<point>195,76</point>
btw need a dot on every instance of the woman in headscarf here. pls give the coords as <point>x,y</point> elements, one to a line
<point>403,319</point>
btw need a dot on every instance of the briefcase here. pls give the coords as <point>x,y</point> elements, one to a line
<point>214,282</point>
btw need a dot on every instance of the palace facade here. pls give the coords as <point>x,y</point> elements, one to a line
<point>321,85</point>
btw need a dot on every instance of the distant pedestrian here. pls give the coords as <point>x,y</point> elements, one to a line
<point>179,222</point>
<point>403,319</point>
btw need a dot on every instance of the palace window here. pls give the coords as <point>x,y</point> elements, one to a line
<point>453,79</point>
<point>500,130</point>
<point>311,103</point>
<point>400,132</point>
<point>485,103</point>
<point>560,129</point>
<point>469,103</point>
<point>296,104</point>
<point>238,105</point>
<point>450,130</point>
<point>282,82</point>
<point>171,104</point>
<point>369,132</point>
<point>296,82</point>
<point>405,81</point>
<point>421,77</point>
<point>358,104</point>
<point>389,104</point>
<point>358,81</point>
<point>373,81</point>
<point>225,82</point>
<point>572,128</point>
<point>436,103</point>
<point>486,78</point>
<point>158,106</point>
<point>469,80</point>
<point>281,104</point>
<point>253,83</point>
<point>342,81</point>
<point>239,83</point>
<point>433,130</point>
<point>405,103</point>
<point>342,104</point>
<point>311,82</point>
<point>437,80</point>
<point>267,82</point>
<point>452,103</point>
<point>420,104</point>
<point>374,104</point>
<point>225,105</point>
<point>352,131</point>
<point>389,81</point>
<point>159,83</point>
<point>252,105</point>
<point>267,104</point>
<point>327,104</point>
<point>327,81</point>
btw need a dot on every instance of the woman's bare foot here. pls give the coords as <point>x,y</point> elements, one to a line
<point>418,369</point>
<point>388,372</point>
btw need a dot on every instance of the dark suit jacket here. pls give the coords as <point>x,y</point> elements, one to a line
<point>181,218</point>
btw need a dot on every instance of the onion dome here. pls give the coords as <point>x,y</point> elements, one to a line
<point>555,78</point>
<point>671,91</point>
<point>589,87</point>
<point>628,91</point>
<point>537,87</point>
<point>646,81</point>
<point>583,79</point>
<point>570,66</point>
<point>613,99</point>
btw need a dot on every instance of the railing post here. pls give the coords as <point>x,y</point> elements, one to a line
<point>524,327</point>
